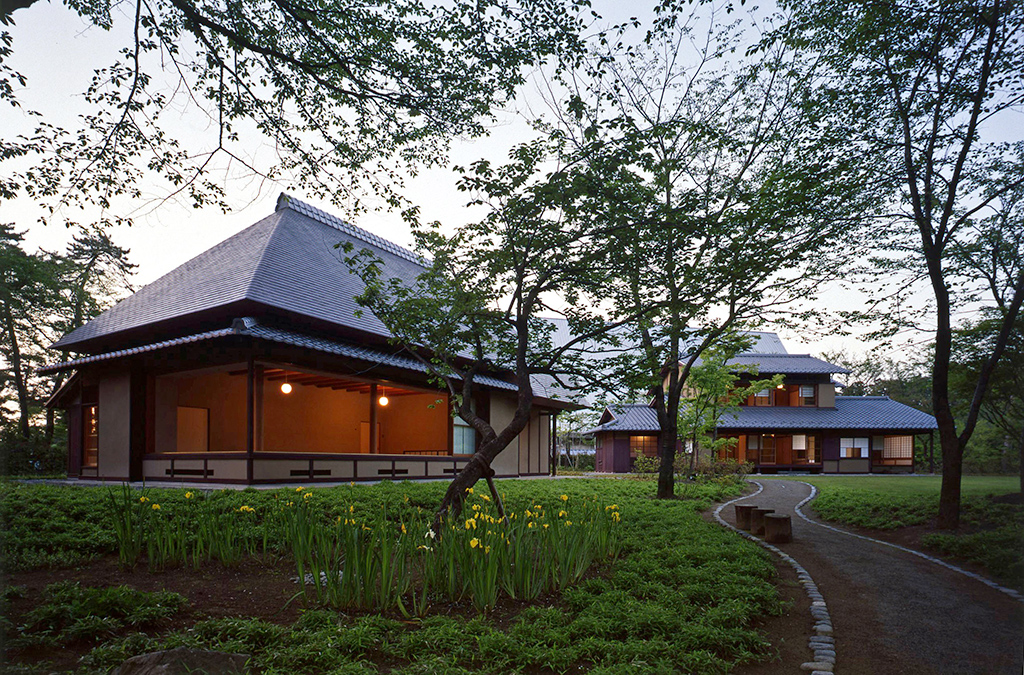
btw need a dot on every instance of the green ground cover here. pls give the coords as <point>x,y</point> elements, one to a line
<point>992,533</point>
<point>681,595</point>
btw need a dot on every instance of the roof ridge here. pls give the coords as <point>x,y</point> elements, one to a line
<point>262,254</point>
<point>878,396</point>
<point>286,201</point>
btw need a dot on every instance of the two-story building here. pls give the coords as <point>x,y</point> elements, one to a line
<point>252,363</point>
<point>801,425</point>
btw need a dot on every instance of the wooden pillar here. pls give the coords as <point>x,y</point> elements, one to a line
<point>250,417</point>
<point>373,419</point>
<point>931,452</point>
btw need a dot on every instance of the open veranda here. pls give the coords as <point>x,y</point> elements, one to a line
<point>583,575</point>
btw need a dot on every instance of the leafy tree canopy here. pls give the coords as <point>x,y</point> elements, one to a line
<point>343,94</point>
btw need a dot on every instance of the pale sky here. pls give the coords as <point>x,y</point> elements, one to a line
<point>58,51</point>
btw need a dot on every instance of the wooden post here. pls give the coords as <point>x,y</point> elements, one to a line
<point>778,529</point>
<point>743,515</point>
<point>258,397</point>
<point>250,416</point>
<point>373,419</point>
<point>757,519</point>
<point>931,452</point>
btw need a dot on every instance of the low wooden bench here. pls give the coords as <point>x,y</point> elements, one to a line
<point>757,519</point>
<point>778,529</point>
<point>743,515</point>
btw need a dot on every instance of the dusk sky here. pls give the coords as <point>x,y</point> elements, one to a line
<point>58,51</point>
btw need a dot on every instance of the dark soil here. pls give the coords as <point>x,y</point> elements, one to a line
<point>252,589</point>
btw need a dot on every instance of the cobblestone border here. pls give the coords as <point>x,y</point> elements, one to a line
<point>822,643</point>
<point>988,582</point>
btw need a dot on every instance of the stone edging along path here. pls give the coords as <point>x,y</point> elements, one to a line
<point>988,582</point>
<point>822,643</point>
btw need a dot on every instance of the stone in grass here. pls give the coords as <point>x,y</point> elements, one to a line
<point>817,666</point>
<point>185,660</point>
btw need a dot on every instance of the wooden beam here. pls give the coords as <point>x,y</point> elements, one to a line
<point>373,419</point>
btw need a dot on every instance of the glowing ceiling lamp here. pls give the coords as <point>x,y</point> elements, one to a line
<point>286,388</point>
<point>383,400</point>
<point>781,386</point>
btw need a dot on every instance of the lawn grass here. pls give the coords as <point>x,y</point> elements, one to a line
<point>991,536</point>
<point>683,596</point>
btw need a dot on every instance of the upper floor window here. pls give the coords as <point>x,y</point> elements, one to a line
<point>763,397</point>
<point>807,397</point>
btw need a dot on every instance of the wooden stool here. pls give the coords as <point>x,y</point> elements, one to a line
<point>778,529</point>
<point>757,519</point>
<point>743,515</point>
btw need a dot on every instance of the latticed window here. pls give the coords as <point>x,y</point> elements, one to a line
<point>761,447</point>
<point>643,445</point>
<point>898,451</point>
<point>763,397</point>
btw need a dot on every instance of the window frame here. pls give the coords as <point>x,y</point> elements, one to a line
<point>808,401</point>
<point>850,443</point>
<point>647,441</point>
<point>90,415</point>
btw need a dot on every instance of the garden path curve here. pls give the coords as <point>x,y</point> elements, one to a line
<point>895,612</point>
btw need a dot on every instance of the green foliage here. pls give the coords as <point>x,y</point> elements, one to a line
<point>683,596</point>
<point>42,296</point>
<point>356,90</point>
<point>646,465</point>
<point>69,613</point>
<point>53,526</point>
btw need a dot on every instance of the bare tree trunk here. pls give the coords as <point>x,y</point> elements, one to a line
<point>17,368</point>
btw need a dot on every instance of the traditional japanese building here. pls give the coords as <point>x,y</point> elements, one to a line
<point>252,363</point>
<point>801,425</point>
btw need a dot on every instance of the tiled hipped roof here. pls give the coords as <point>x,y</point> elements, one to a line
<point>287,261</point>
<point>851,413</point>
<point>630,417</point>
<point>786,364</point>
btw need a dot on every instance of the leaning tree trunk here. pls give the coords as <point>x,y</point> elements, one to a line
<point>479,466</point>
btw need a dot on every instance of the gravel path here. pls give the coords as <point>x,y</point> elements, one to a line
<point>894,612</point>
